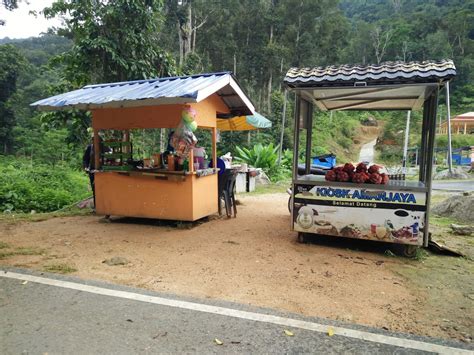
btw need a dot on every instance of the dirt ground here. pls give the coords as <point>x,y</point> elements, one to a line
<point>255,259</point>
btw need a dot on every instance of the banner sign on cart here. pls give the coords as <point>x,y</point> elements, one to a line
<point>385,215</point>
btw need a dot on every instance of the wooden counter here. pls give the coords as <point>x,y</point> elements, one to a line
<point>160,194</point>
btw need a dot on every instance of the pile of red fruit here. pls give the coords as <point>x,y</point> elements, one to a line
<point>359,174</point>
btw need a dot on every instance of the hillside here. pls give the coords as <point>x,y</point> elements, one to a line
<point>187,37</point>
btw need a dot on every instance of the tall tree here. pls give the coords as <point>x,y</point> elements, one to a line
<point>188,18</point>
<point>113,41</point>
<point>11,63</point>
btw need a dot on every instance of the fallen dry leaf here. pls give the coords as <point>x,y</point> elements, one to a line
<point>24,282</point>
<point>290,334</point>
<point>330,331</point>
<point>218,342</point>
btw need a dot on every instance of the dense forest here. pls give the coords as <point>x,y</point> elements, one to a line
<point>258,40</point>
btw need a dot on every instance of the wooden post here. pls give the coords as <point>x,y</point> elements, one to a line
<point>214,147</point>
<point>96,150</point>
<point>126,138</point>
<point>162,140</point>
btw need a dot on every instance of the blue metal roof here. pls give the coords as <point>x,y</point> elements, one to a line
<point>160,91</point>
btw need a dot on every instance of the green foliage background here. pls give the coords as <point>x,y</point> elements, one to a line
<point>256,39</point>
<point>25,186</point>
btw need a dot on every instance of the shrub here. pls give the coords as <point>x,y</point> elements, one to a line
<point>457,140</point>
<point>43,188</point>
<point>287,159</point>
<point>259,156</point>
<point>266,158</point>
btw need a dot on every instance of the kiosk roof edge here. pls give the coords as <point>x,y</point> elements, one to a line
<point>373,74</point>
<point>385,86</point>
<point>159,91</point>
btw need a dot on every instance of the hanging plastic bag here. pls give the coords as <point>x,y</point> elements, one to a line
<point>183,138</point>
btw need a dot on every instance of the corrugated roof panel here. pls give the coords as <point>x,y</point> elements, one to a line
<point>399,72</point>
<point>185,89</point>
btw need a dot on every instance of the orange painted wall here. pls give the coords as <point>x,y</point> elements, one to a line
<point>204,196</point>
<point>163,116</point>
<point>145,196</point>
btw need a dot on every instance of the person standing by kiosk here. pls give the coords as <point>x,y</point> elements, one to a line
<point>88,163</point>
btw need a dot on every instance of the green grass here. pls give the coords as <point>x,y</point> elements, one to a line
<point>19,251</point>
<point>28,251</point>
<point>61,268</point>
<point>5,254</point>
<point>438,197</point>
<point>441,221</point>
<point>421,254</point>
<point>272,188</point>
<point>4,245</point>
<point>38,217</point>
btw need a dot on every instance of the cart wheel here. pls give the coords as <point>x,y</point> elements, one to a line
<point>301,238</point>
<point>289,204</point>
<point>410,251</point>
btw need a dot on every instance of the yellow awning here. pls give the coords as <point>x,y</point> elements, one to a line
<point>243,123</point>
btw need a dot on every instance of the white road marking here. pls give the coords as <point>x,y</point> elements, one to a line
<point>258,317</point>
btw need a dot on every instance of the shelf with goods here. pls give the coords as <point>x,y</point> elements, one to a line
<point>116,155</point>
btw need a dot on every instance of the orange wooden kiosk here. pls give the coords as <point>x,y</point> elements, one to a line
<point>156,103</point>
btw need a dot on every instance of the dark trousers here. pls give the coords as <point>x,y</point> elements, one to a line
<point>91,179</point>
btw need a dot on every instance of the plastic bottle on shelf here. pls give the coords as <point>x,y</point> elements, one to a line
<point>171,162</point>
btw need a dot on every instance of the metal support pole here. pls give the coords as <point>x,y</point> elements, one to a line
<point>429,152</point>
<point>296,137</point>
<point>440,119</point>
<point>424,137</point>
<point>405,146</point>
<point>282,127</point>
<point>448,114</point>
<point>309,134</point>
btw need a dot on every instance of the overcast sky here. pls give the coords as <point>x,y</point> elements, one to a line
<point>19,24</point>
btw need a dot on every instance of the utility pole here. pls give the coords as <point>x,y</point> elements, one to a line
<point>282,127</point>
<point>405,146</point>
<point>448,114</point>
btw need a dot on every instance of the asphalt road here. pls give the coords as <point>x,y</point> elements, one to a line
<point>63,315</point>
<point>367,152</point>
<point>459,185</point>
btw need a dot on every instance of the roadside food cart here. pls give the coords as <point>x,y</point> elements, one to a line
<point>122,189</point>
<point>397,212</point>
